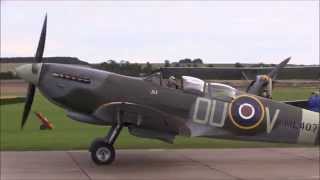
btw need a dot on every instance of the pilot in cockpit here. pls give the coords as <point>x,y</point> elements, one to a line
<point>172,82</point>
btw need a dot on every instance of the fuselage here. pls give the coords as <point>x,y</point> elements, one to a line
<point>85,90</point>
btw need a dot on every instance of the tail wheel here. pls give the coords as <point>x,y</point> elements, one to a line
<point>102,153</point>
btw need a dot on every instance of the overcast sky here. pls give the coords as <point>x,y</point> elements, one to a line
<point>140,31</point>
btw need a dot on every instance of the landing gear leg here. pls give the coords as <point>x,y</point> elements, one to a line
<point>102,150</point>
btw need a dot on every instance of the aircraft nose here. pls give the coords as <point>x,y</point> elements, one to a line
<point>29,73</point>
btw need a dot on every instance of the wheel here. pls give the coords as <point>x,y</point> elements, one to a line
<point>102,153</point>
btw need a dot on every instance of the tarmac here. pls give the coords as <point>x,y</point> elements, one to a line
<point>185,164</point>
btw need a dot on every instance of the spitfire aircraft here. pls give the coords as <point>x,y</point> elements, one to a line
<point>149,108</point>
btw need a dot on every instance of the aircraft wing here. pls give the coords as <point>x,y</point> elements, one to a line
<point>142,121</point>
<point>298,103</point>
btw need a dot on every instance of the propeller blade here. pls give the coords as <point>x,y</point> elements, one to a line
<point>256,87</point>
<point>273,74</point>
<point>42,41</point>
<point>41,44</point>
<point>34,69</point>
<point>245,76</point>
<point>27,106</point>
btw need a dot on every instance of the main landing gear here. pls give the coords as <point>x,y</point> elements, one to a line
<point>102,150</point>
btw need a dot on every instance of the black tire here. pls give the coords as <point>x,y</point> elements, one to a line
<point>102,153</point>
<point>95,141</point>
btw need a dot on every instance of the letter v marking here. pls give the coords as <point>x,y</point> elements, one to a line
<point>271,123</point>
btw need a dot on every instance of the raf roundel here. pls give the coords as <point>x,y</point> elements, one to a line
<point>246,112</point>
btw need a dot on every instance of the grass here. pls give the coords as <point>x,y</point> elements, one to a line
<point>68,134</point>
<point>290,93</point>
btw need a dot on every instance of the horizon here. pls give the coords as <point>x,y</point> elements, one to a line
<point>171,62</point>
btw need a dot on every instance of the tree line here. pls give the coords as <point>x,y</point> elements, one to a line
<point>121,67</point>
<point>125,67</point>
<point>135,69</point>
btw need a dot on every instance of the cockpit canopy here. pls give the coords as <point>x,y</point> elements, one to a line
<point>220,90</point>
<point>193,85</point>
<point>197,86</point>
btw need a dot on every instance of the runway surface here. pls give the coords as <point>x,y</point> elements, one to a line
<point>193,164</point>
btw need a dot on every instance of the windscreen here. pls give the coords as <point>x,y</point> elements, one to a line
<point>154,78</point>
<point>193,85</point>
<point>220,90</point>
